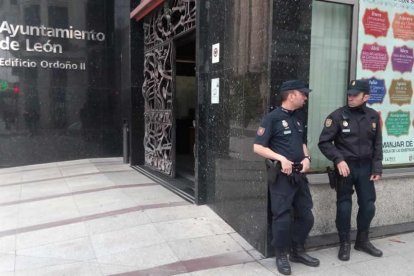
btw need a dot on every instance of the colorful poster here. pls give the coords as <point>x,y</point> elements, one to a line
<point>376,22</point>
<point>374,57</point>
<point>378,91</point>
<point>402,59</point>
<point>386,59</point>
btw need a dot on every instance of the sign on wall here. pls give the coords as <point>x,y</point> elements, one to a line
<point>59,62</point>
<point>15,38</point>
<point>215,53</point>
<point>386,58</point>
<point>215,91</point>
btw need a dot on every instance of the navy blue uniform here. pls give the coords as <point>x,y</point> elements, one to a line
<point>354,135</point>
<point>284,133</point>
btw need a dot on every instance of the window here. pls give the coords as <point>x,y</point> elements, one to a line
<point>329,68</point>
<point>32,15</point>
<point>59,18</point>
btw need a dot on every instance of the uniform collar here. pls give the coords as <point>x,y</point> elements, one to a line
<point>287,111</point>
<point>358,109</point>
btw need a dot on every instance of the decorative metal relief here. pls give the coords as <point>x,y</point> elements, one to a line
<point>157,93</point>
<point>183,16</point>
<point>166,23</point>
<point>158,89</point>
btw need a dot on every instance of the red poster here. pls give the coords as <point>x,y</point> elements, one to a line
<point>374,57</point>
<point>376,22</point>
<point>403,26</point>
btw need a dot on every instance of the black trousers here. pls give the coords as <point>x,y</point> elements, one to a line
<point>365,190</point>
<point>292,218</point>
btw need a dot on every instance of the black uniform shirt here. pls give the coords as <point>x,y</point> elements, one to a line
<point>284,133</point>
<point>356,135</point>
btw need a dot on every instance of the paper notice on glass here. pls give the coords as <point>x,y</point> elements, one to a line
<point>215,53</point>
<point>215,91</point>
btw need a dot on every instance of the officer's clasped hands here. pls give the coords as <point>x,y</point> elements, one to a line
<point>305,165</point>
<point>286,166</point>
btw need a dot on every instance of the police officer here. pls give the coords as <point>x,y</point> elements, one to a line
<point>281,138</point>
<point>352,139</point>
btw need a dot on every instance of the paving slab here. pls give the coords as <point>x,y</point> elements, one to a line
<point>101,217</point>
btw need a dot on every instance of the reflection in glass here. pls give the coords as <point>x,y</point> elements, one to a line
<point>50,112</point>
<point>329,68</point>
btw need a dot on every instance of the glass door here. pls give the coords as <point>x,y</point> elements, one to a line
<point>332,65</point>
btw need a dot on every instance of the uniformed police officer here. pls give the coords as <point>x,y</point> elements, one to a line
<point>281,138</point>
<point>352,139</point>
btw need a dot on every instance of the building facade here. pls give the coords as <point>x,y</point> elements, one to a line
<point>207,71</point>
<point>179,88</point>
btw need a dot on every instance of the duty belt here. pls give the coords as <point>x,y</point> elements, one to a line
<point>297,167</point>
<point>297,177</point>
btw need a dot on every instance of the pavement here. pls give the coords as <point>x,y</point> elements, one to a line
<point>101,217</point>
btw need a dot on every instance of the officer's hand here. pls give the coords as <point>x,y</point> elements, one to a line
<point>343,168</point>
<point>305,165</point>
<point>375,177</point>
<point>286,166</point>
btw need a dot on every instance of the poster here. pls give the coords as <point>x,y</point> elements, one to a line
<point>386,58</point>
<point>215,91</point>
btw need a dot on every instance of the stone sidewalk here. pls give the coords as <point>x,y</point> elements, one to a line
<point>100,217</point>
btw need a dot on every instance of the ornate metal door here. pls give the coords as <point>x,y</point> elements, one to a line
<point>158,90</point>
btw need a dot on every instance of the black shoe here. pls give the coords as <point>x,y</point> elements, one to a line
<point>283,265</point>
<point>344,251</point>
<point>363,244</point>
<point>300,256</point>
<point>367,247</point>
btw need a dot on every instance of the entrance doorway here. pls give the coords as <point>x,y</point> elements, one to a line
<point>169,93</point>
<point>185,107</point>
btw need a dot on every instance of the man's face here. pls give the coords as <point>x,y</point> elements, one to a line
<point>299,99</point>
<point>357,100</point>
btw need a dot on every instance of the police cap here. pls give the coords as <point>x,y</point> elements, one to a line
<point>295,85</point>
<point>358,86</point>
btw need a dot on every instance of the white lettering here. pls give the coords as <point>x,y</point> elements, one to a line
<point>17,62</point>
<point>69,33</point>
<point>47,47</point>
<point>67,65</point>
<point>6,44</point>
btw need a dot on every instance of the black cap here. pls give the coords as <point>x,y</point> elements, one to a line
<point>295,85</point>
<point>358,86</point>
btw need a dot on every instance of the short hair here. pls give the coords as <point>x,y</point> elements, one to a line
<point>284,95</point>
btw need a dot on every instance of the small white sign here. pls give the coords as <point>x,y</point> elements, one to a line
<point>215,53</point>
<point>215,91</point>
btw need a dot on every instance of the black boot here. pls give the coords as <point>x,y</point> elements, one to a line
<point>362,243</point>
<point>344,247</point>
<point>298,255</point>
<point>282,263</point>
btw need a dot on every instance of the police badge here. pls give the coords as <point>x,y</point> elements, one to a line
<point>328,122</point>
<point>261,131</point>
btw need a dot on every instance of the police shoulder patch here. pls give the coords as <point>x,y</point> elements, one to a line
<point>328,122</point>
<point>261,131</point>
